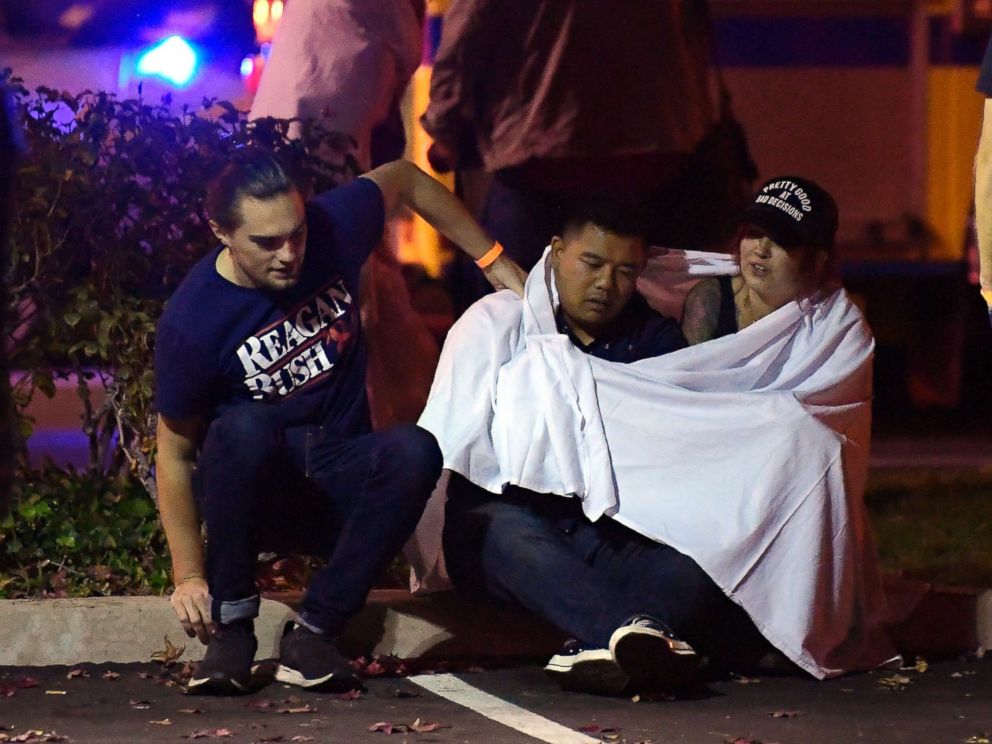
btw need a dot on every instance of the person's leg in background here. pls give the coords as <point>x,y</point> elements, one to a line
<point>522,219</point>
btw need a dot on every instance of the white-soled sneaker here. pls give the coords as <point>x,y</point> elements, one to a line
<point>581,669</point>
<point>226,667</point>
<point>652,656</point>
<point>312,661</point>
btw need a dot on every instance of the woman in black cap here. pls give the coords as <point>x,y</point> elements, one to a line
<point>787,237</point>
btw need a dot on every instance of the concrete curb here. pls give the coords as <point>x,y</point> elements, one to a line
<point>924,620</point>
<point>931,620</point>
<point>130,629</point>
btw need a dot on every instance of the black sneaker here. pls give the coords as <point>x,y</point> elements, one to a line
<point>582,669</point>
<point>652,656</point>
<point>312,661</point>
<point>226,667</point>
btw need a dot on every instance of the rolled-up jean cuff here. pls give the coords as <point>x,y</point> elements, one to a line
<point>233,610</point>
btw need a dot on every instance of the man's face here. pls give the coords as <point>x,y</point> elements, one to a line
<point>267,248</point>
<point>596,274</point>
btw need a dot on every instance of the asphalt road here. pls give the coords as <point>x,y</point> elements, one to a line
<point>951,701</point>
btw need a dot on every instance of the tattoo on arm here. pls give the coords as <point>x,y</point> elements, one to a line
<point>702,312</point>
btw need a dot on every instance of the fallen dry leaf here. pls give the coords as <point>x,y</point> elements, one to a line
<point>895,682</point>
<point>595,728</point>
<point>422,727</point>
<point>218,733</point>
<point>22,683</point>
<point>919,665</point>
<point>73,673</point>
<point>978,739</point>
<point>163,722</point>
<point>786,714</point>
<point>380,666</point>
<point>34,735</point>
<point>260,704</point>
<point>139,704</point>
<point>386,728</point>
<point>110,675</point>
<point>191,711</point>
<point>7,690</point>
<point>168,655</point>
<point>302,738</point>
<point>300,709</point>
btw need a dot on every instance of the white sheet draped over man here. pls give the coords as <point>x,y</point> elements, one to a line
<point>747,453</point>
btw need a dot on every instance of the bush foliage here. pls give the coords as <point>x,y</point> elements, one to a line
<point>106,219</point>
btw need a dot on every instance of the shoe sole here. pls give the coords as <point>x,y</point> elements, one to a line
<point>216,686</point>
<point>652,662</point>
<point>598,675</point>
<point>332,682</point>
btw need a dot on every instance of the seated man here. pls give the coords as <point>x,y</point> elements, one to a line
<point>628,601</point>
<point>263,418</point>
<point>658,503</point>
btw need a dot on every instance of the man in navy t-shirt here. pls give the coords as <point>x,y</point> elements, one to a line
<point>263,419</point>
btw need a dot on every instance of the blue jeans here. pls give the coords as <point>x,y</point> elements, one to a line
<point>540,552</point>
<point>264,487</point>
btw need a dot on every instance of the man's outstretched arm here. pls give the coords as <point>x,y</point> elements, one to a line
<point>174,466</point>
<point>404,185</point>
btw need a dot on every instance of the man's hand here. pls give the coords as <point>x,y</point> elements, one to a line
<point>191,602</point>
<point>504,273</point>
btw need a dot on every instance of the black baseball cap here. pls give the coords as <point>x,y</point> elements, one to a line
<point>794,212</point>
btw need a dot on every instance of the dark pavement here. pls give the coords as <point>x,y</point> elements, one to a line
<point>949,702</point>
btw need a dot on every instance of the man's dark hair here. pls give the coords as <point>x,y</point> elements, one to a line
<point>251,171</point>
<point>621,215</point>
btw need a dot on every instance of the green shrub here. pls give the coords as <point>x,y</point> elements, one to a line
<point>79,534</point>
<point>106,219</point>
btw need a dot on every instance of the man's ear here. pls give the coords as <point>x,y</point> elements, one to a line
<point>557,248</point>
<point>218,232</point>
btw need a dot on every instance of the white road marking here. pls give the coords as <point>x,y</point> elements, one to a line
<point>457,691</point>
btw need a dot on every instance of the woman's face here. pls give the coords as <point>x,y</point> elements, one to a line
<point>777,274</point>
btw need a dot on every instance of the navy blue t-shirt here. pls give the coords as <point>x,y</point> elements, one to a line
<point>638,332</point>
<point>301,349</point>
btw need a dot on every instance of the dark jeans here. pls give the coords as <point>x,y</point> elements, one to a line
<point>354,501</point>
<point>587,578</point>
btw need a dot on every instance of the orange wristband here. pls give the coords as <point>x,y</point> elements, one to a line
<point>491,255</point>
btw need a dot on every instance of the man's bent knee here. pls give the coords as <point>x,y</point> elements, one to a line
<point>414,452</point>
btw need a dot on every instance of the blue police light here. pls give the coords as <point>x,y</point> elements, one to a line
<point>173,60</point>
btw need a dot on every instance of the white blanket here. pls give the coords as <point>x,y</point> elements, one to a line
<point>747,453</point>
